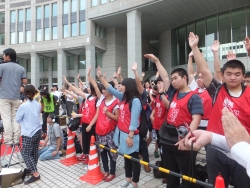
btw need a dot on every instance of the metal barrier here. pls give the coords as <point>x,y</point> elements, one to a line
<point>184,177</point>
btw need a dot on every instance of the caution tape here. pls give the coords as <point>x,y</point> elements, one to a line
<point>164,170</point>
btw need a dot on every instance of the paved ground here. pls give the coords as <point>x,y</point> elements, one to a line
<point>55,174</point>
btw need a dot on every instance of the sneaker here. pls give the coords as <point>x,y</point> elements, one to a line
<point>124,184</point>
<point>156,154</point>
<point>82,157</point>
<point>132,186</point>
<point>31,180</point>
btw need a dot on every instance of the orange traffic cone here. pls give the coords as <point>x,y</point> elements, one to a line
<point>219,182</point>
<point>71,151</point>
<point>94,174</point>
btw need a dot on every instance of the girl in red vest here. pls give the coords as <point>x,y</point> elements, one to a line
<point>108,113</point>
<point>88,117</point>
<point>127,133</point>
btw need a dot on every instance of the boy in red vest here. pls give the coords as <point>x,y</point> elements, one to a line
<point>236,97</point>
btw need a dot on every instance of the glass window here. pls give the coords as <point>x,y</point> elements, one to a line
<point>82,62</point>
<point>82,28</point>
<point>98,59</point>
<point>211,35</point>
<point>174,47</point>
<point>54,33</point>
<point>28,65</point>
<point>94,3</point>
<point>28,14</point>
<point>248,21</point>
<point>104,1</point>
<point>20,37</point>
<point>74,5</point>
<point>190,28</point>
<point>82,4</point>
<point>73,29</point>
<point>54,9</point>
<point>65,7</point>
<point>13,38</point>
<point>44,64</point>
<point>20,15</point>
<point>28,36</point>
<point>12,16</point>
<point>65,31</point>
<point>238,32</point>
<point>38,35</point>
<point>54,81</point>
<point>38,12</point>
<point>182,45</point>
<point>70,62</point>
<point>224,33</point>
<point>2,39</point>
<point>46,11</point>
<point>96,30</point>
<point>200,31</point>
<point>2,17</point>
<point>46,33</point>
<point>54,64</point>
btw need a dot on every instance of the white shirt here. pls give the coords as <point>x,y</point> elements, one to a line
<point>240,152</point>
<point>56,93</point>
<point>107,103</point>
<point>70,98</point>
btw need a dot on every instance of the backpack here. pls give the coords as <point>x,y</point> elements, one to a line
<point>143,127</point>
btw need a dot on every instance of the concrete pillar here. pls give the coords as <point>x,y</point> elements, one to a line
<point>134,43</point>
<point>90,60</point>
<point>35,72</point>
<point>76,68</point>
<point>61,67</point>
<point>50,73</point>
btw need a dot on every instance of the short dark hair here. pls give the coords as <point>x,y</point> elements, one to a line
<point>247,75</point>
<point>181,72</point>
<point>30,91</point>
<point>55,87</point>
<point>234,64</point>
<point>11,53</point>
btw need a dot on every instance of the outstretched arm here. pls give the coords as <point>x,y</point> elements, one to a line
<point>76,90</point>
<point>247,45</point>
<point>137,78</point>
<point>217,73</point>
<point>119,74</point>
<point>199,60</point>
<point>190,68</point>
<point>161,70</point>
<point>94,84</point>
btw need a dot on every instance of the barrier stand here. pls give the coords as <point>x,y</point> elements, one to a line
<point>184,177</point>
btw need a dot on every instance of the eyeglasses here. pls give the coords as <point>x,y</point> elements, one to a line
<point>246,81</point>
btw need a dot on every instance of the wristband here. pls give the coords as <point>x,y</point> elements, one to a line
<point>162,93</point>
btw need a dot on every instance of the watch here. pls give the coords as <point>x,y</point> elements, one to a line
<point>131,136</point>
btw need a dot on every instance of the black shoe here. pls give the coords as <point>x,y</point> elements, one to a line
<point>26,172</point>
<point>31,180</point>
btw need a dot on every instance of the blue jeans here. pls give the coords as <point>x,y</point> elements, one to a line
<point>46,153</point>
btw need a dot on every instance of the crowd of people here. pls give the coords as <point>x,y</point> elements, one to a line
<point>186,111</point>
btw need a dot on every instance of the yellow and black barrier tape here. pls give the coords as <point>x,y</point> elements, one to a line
<point>164,170</point>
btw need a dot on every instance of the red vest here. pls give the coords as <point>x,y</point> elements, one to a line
<point>240,106</point>
<point>161,113</point>
<point>178,112</point>
<point>80,110</point>
<point>104,124</point>
<point>153,104</point>
<point>89,111</point>
<point>206,102</point>
<point>124,118</point>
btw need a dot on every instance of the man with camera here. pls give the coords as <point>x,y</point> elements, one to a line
<point>12,75</point>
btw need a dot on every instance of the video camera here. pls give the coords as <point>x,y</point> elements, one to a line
<point>183,130</point>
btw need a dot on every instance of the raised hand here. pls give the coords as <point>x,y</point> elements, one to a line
<point>134,67</point>
<point>247,44</point>
<point>234,131</point>
<point>193,40</point>
<point>191,54</point>
<point>89,71</point>
<point>119,71</point>
<point>230,55</point>
<point>78,76</point>
<point>151,57</point>
<point>215,46</point>
<point>114,75</point>
<point>143,74</point>
<point>99,73</point>
<point>65,79</point>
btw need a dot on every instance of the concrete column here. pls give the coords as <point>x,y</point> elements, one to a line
<point>61,67</point>
<point>76,68</point>
<point>90,60</point>
<point>35,72</point>
<point>50,73</point>
<point>134,41</point>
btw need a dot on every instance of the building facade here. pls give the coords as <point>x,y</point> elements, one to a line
<point>53,38</point>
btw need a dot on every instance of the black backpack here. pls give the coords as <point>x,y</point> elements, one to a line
<point>143,127</point>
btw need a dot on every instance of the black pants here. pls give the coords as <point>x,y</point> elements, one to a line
<point>45,116</point>
<point>105,161</point>
<point>179,162</point>
<point>69,108</point>
<point>30,150</point>
<point>86,136</point>
<point>143,150</point>
<point>158,143</point>
<point>133,169</point>
<point>218,162</point>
